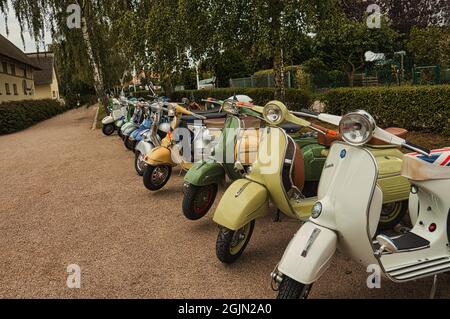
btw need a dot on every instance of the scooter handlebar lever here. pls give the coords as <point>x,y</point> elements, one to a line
<point>417,148</point>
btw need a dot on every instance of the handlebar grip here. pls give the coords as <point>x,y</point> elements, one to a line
<point>418,148</point>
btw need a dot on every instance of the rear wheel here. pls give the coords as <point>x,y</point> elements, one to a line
<point>198,200</point>
<point>108,129</point>
<point>231,244</point>
<point>120,134</point>
<point>156,177</point>
<point>291,289</point>
<point>139,163</point>
<point>392,214</point>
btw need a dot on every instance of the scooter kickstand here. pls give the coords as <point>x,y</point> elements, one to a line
<point>277,218</point>
<point>434,287</point>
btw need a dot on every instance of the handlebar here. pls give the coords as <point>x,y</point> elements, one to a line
<point>417,148</point>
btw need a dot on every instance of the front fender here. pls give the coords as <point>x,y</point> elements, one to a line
<point>307,265</point>
<point>108,120</point>
<point>205,173</point>
<point>160,156</point>
<point>243,202</point>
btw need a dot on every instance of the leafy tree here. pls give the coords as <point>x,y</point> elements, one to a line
<point>430,46</point>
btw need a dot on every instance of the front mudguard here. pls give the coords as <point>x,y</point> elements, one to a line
<point>108,120</point>
<point>309,254</point>
<point>205,173</point>
<point>243,202</point>
<point>160,156</point>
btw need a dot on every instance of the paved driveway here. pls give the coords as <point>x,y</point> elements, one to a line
<point>70,195</point>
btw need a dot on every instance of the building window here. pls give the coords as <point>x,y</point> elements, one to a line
<point>24,87</point>
<point>16,92</point>
<point>5,67</point>
<point>13,69</point>
<point>8,91</point>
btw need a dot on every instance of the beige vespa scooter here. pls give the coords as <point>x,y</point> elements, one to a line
<point>348,210</point>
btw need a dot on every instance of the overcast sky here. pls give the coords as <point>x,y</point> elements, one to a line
<point>14,34</point>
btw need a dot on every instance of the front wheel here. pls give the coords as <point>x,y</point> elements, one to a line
<point>231,244</point>
<point>108,129</point>
<point>392,214</point>
<point>156,177</point>
<point>198,201</point>
<point>291,289</point>
<point>139,163</point>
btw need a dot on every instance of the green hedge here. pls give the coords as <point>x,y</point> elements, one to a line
<point>416,108</point>
<point>295,99</point>
<point>16,116</point>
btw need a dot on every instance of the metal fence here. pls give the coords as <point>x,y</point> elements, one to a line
<point>262,81</point>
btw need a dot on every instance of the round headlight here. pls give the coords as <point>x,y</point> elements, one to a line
<point>357,128</point>
<point>273,114</point>
<point>229,107</point>
<point>316,210</point>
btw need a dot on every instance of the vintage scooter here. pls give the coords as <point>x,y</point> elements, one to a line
<point>151,139</point>
<point>348,209</point>
<point>134,122</point>
<point>116,119</point>
<point>160,161</point>
<point>131,140</point>
<point>278,176</point>
<point>240,134</point>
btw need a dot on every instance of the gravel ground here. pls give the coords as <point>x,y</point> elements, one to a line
<point>71,196</point>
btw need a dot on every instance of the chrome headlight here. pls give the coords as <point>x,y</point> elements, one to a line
<point>316,210</point>
<point>229,107</point>
<point>273,114</point>
<point>357,128</point>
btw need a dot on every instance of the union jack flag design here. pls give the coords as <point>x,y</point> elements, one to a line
<point>438,157</point>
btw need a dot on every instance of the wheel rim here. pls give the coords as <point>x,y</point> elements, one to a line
<point>109,129</point>
<point>203,199</point>
<point>390,211</point>
<point>140,162</point>
<point>239,239</point>
<point>160,175</point>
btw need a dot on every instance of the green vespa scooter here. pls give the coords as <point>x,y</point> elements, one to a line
<point>241,135</point>
<point>203,179</point>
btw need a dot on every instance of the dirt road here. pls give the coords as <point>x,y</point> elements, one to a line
<point>71,196</point>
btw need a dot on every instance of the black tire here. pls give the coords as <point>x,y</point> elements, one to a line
<point>224,244</point>
<point>108,129</point>
<point>119,132</point>
<point>139,164</point>
<point>149,180</point>
<point>397,210</point>
<point>291,289</point>
<point>193,206</point>
<point>129,144</point>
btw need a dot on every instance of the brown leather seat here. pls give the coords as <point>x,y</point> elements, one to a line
<point>399,132</point>
<point>298,173</point>
<point>215,123</point>
<point>327,140</point>
<point>250,122</point>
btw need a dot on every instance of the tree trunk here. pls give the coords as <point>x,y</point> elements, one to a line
<point>278,68</point>
<point>98,78</point>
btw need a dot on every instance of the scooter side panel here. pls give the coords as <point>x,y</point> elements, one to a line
<point>205,173</point>
<point>314,162</point>
<point>308,257</point>
<point>144,147</point>
<point>243,202</point>
<point>108,120</point>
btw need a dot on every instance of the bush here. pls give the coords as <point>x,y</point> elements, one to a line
<point>16,116</point>
<point>416,108</point>
<point>295,99</point>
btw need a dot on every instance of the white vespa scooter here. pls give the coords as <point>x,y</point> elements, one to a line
<point>348,210</point>
<point>117,117</point>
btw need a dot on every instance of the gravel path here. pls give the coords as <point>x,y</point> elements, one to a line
<point>71,196</point>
